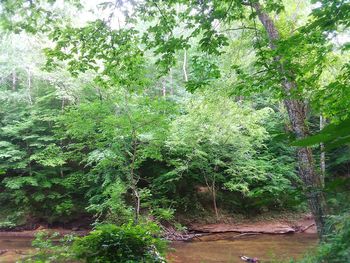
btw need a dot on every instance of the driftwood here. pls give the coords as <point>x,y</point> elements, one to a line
<point>307,227</point>
<point>174,235</point>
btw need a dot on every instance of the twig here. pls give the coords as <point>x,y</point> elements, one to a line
<point>307,227</point>
<point>238,28</point>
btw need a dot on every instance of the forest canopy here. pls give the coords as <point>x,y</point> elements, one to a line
<point>129,110</point>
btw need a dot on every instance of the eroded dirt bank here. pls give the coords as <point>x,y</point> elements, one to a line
<point>306,225</point>
<point>302,224</point>
<point>15,245</point>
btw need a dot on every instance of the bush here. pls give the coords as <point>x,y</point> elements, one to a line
<point>51,248</point>
<point>7,225</point>
<point>126,243</point>
<point>336,247</point>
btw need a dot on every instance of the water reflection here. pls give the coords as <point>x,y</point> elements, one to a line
<point>13,249</point>
<point>222,249</point>
<point>264,247</point>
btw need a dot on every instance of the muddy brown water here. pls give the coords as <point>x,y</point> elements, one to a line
<point>16,248</point>
<point>265,247</point>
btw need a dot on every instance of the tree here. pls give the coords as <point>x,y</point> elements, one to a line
<point>115,136</point>
<point>203,141</point>
<point>274,61</point>
<point>288,62</point>
<point>223,147</point>
<point>35,175</point>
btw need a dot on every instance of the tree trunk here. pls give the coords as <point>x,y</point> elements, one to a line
<point>296,109</point>
<point>184,66</point>
<point>323,154</point>
<point>164,87</point>
<point>213,191</point>
<point>133,181</point>
<point>29,86</point>
<point>137,204</point>
<point>171,82</point>
<point>14,79</point>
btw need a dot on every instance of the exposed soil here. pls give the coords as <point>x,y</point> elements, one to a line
<point>196,232</point>
<point>304,224</point>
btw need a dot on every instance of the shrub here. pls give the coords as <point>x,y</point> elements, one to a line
<point>126,243</point>
<point>51,248</point>
<point>7,225</point>
<point>336,247</point>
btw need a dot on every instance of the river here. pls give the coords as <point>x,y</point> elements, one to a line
<point>220,248</point>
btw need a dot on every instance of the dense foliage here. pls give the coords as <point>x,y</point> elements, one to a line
<point>69,148</point>
<point>127,243</point>
<point>160,109</point>
<point>107,243</point>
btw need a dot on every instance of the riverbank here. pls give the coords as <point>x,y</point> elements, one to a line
<point>305,224</point>
<point>199,229</point>
<point>242,235</point>
<point>302,223</point>
<point>222,247</point>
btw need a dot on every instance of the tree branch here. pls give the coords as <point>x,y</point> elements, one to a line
<point>238,28</point>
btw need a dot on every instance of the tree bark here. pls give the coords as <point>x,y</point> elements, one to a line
<point>29,86</point>
<point>164,87</point>
<point>14,80</point>
<point>184,66</point>
<point>213,191</point>
<point>323,154</point>
<point>297,113</point>
<point>171,82</point>
<point>133,181</point>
